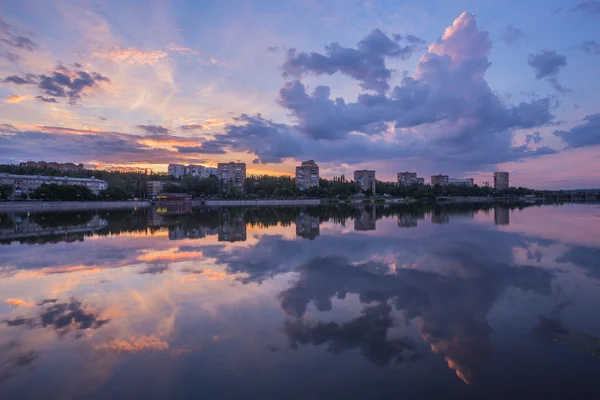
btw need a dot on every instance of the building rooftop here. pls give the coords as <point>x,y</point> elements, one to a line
<point>50,178</point>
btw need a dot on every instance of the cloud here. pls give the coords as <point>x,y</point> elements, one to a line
<point>155,269</point>
<point>208,148</point>
<point>446,113</point>
<point>15,99</point>
<point>133,344</point>
<point>10,37</point>
<point>207,124</point>
<point>588,7</point>
<point>585,134</point>
<point>558,87</point>
<point>590,47</point>
<point>533,138</point>
<point>546,63</point>
<point>511,34</point>
<point>365,63</point>
<point>154,129</point>
<point>46,99</point>
<point>62,82</point>
<point>131,55</point>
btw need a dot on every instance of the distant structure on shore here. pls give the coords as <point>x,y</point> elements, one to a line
<point>154,187</point>
<point>199,171</point>
<point>63,167</point>
<point>307,175</point>
<point>461,182</point>
<point>26,184</point>
<point>365,179</point>
<point>439,180</point>
<point>409,179</point>
<point>501,181</point>
<point>232,176</point>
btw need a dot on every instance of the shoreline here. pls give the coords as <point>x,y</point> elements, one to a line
<point>33,206</point>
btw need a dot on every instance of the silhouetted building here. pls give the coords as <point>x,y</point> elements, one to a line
<point>367,220</point>
<point>501,180</point>
<point>307,175</point>
<point>501,215</point>
<point>232,176</point>
<point>365,179</point>
<point>439,180</point>
<point>63,167</point>
<point>307,226</point>
<point>176,170</point>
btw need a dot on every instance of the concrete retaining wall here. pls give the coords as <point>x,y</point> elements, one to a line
<point>254,203</point>
<point>24,206</point>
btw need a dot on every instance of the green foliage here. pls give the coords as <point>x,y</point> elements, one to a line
<point>54,192</point>
<point>113,193</point>
<point>6,191</point>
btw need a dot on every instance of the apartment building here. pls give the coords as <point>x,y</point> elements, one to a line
<point>26,184</point>
<point>461,182</point>
<point>63,167</point>
<point>176,170</point>
<point>232,175</point>
<point>439,180</point>
<point>307,175</point>
<point>365,179</point>
<point>501,181</point>
<point>154,187</point>
<point>194,170</point>
<point>409,178</point>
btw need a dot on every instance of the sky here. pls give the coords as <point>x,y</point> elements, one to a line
<point>463,88</point>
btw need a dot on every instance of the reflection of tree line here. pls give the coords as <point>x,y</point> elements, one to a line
<point>230,223</point>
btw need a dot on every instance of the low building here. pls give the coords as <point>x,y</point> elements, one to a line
<point>461,182</point>
<point>365,179</point>
<point>173,198</point>
<point>439,180</point>
<point>232,176</point>
<point>176,170</point>
<point>501,181</point>
<point>26,184</point>
<point>154,188</point>
<point>307,175</point>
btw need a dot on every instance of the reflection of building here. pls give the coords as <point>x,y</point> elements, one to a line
<point>367,220</point>
<point>501,215</point>
<point>365,180</point>
<point>63,167</point>
<point>461,182</point>
<point>232,176</point>
<point>409,178</point>
<point>501,180</point>
<point>25,184</point>
<point>307,226</point>
<point>154,187</point>
<point>233,228</point>
<point>440,217</point>
<point>439,180</point>
<point>176,170</point>
<point>307,175</point>
<point>179,233</point>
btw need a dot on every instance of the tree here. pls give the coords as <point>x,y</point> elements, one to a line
<point>113,193</point>
<point>55,192</point>
<point>6,191</point>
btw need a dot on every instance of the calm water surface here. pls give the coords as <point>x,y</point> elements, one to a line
<point>301,303</point>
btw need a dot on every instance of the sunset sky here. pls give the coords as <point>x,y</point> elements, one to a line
<point>435,86</point>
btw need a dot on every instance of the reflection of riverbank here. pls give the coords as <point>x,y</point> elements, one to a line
<point>50,206</point>
<point>27,228</point>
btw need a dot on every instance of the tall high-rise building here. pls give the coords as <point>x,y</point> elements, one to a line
<point>209,171</point>
<point>365,179</point>
<point>407,178</point>
<point>439,180</point>
<point>307,175</point>
<point>501,180</point>
<point>232,175</point>
<point>176,170</point>
<point>195,170</point>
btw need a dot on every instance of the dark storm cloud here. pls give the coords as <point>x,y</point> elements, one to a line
<point>511,34</point>
<point>369,333</point>
<point>590,47</point>
<point>62,82</point>
<point>154,129</point>
<point>365,63</point>
<point>588,7</point>
<point>585,134</point>
<point>46,99</point>
<point>546,63</point>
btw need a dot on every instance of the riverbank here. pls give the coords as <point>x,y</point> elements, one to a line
<point>34,206</point>
<point>257,203</point>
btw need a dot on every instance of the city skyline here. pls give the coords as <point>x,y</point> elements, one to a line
<point>353,88</point>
